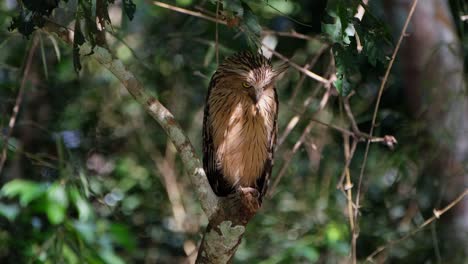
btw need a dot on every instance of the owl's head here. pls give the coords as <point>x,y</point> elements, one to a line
<point>251,73</point>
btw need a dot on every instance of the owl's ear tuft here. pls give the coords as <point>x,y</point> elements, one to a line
<point>280,68</point>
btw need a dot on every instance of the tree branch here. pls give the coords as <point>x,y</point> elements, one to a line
<point>18,101</point>
<point>437,215</point>
<point>153,107</point>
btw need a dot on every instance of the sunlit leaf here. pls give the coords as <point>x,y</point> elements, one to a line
<point>110,257</point>
<point>85,211</point>
<point>56,194</point>
<point>25,190</point>
<point>55,212</point>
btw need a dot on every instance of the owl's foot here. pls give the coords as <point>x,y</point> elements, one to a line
<point>250,198</point>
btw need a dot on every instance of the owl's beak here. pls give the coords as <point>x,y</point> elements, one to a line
<point>255,93</point>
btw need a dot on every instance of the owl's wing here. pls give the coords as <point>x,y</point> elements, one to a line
<point>264,180</point>
<point>210,164</point>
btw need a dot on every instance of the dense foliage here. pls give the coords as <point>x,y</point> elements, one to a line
<point>91,178</point>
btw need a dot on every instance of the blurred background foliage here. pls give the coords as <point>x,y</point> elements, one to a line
<point>91,178</point>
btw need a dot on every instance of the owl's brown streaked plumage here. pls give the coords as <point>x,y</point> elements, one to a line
<point>239,126</point>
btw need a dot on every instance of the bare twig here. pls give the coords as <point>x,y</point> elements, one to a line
<point>189,12</point>
<point>217,35</point>
<point>290,34</point>
<point>19,99</point>
<point>289,157</point>
<point>299,68</point>
<point>349,195</point>
<point>308,65</point>
<point>346,167</point>
<point>296,118</point>
<point>437,215</point>
<point>348,187</point>
<point>296,147</point>
<point>266,31</point>
<point>377,104</point>
<point>350,116</point>
<point>201,15</point>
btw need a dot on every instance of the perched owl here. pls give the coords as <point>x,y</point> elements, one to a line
<point>240,124</point>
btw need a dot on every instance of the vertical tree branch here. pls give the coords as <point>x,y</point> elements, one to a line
<point>377,104</point>
<point>19,99</point>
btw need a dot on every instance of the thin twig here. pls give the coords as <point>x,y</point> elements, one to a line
<point>308,65</point>
<point>337,128</point>
<point>437,215</point>
<point>297,117</point>
<point>189,12</point>
<point>349,184</point>
<point>200,15</point>
<point>349,196</point>
<point>299,68</point>
<point>346,167</point>
<point>290,34</point>
<point>350,116</point>
<point>19,99</point>
<point>296,148</point>
<point>289,157</point>
<point>216,34</point>
<point>377,104</point>
<point>266,31</point>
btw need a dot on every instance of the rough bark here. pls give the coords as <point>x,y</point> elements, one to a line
<point>227,226</point>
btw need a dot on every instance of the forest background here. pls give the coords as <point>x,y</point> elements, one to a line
<point>372,157</point>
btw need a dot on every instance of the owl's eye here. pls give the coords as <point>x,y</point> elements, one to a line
<point>246,85</point>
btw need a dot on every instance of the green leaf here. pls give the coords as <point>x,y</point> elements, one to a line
<point>55,212</point>
<point>347,71</point>
<point>110,257</point>
<point>57,203</point>
<point>121,235</point>
<point>85,212</point>
<point>56,194</point>
<point>333,31</point>
<point>129,8</point>
<point>340,28</point>
<point>234,7</point>
<point>26,191</point>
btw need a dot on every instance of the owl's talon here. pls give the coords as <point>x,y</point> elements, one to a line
<point>249,190</point>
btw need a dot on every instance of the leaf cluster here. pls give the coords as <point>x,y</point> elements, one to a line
<point>357,44</point>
